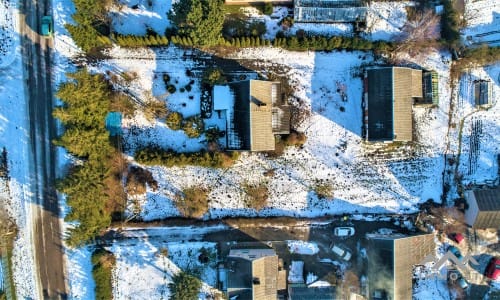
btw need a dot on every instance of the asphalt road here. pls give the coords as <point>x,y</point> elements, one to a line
<point>36,55</point>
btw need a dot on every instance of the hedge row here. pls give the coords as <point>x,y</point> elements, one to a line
<point>155,156</point>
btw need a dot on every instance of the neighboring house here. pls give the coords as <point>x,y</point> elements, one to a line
<point>244,2</point>
<point>255,112</point>
<point>483,208</point>
<point>303,292</point>
<point>254,274</point>
<point>390,263</point>
<point>388,99</point>
<point>482,93</point>
<point>330,11</point>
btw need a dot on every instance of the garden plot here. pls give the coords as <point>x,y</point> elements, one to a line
<point>362,177</point>
<point>483,22</point>
<point>480,138</point>
<point>144,269</point>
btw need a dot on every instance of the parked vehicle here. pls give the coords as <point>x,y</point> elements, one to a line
<point>344,231</point>
<point>456,237</point>
<point>493,268</point>
<point>47,26</point>
<point>455,277</point>
<point>455,251</point>
<point>342,252</point>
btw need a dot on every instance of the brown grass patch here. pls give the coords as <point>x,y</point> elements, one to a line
<point>193,202</point>
<point>256,195</point>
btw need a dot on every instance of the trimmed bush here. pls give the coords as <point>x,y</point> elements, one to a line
<point>256,195</point>
<point>171,88</point>
<point>168,158</point>
<point>193,202</point>
<point>193,126</point>
<point>103,263</point>
<point>174,120</point>
<point>184,287</point>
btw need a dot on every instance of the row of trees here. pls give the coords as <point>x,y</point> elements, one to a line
<point>155,156</point>
<point>93,187</point>
<point>92,24</point>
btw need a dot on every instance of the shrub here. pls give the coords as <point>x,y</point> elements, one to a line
<point>166,79</point>
<point>268,8</point>
<point>103,263</point>
<point>171,88</point>
<point>122,103</point>
<point>295,138</point>
<point>137,180</point>
<point>323,190</point>
<point>213,76</point>
<point>184,287</point>
<point>168,158</point>
<point>193,202</point>
<point>256,195</point>
<point>155,109</point>
<point>193,126</point>
<point>188,88</point>
<point>174,120</point>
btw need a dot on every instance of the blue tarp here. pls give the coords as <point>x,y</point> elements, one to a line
<point>114,123</point>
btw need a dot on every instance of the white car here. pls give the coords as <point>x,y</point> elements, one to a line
<point>344,231</point>
<point>342,252</point>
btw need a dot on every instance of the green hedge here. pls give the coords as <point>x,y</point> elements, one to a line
<point>103,263</point>
<point>168,158</point>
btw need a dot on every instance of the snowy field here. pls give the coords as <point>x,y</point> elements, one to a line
<point>144,270</point>
<point>483,22</point>
<point>134,16</point>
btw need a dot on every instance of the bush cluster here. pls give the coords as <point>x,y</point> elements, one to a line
<point>87,100</point>
<point>169,158</point>
<point>450,22</point>
<point>256,195</point>
<point>139,41</point>
<point>103,263</point>
<point>174,120</point>
<point>184,287</point>
<point>193,126</point>
<point>193,202</point>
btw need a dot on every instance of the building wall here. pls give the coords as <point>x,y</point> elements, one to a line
<point>472,211</point>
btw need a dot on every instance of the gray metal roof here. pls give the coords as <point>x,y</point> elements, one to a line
<point>488,199</point>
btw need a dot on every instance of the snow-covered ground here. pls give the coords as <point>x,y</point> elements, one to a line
<point>9,40</point>
<point>480,144</point>
<point>133,16</point>
<point>392,180</point>
<point>14,136</point>
<point>483,22</point>
<point>144,269</point>
<point>386,19</point>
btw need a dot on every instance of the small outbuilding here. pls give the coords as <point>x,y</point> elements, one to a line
<point>482,93</point>
<point>483,209</point>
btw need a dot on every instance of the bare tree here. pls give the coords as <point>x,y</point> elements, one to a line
<point>420,33</point>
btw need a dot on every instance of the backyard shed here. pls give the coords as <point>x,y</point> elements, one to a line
<point>483,208</point>
<point>482,93</point>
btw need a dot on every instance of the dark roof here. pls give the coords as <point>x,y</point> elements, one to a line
<point>482,92</point>
<point>311,293</point>
<point>258,114</point>
<point>391,91</point>
<point>380,105</point>
<point>488,199</point>
<point>391,261</point>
